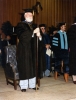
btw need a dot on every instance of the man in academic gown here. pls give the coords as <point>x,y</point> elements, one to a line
<point>71,33</point>
<point>25,62</point>
<point>60,48</point>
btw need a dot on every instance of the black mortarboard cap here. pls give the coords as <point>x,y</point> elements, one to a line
<point>42,25</point>
<point>60,24</point>
<point>28,10</point>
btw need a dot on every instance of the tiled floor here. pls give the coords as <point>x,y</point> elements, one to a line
<point>50,89</point>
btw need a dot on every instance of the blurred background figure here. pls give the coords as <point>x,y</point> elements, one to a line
<point>6,33</point>
<point>52,31</point>
<point>46,42</point>
<point>72,45</point>
<point>60,48</point>
<point>0,48</point>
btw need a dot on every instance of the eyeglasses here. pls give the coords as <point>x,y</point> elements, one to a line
<point>43,28</point>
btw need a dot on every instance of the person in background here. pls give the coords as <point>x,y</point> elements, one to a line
<point>0,49</point>
<point>52,31</point>
<point>4,42</point>
<point>46,42</point>
<point>71,33</point>
<point>25,61</point>
<point>60,48</point>
<point>6,33</point>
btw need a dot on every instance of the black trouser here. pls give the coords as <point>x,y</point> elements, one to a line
<point>62,56</point>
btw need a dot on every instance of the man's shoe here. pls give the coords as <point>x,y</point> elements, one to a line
<point>49,76</point>
<point>23,90</point>
<point>35,88</point>
<point>74,82</point>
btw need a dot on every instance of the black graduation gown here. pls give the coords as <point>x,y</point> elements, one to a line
<point>41,59</point>
<point>40,64</point>
<point>24,51</point>
<point>56,49</point>
<point>71,33</point>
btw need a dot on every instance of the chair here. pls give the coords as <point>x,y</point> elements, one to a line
<point>11,71</point>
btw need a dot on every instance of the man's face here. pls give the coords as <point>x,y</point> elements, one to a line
<point>28,16</point>
<point>42,29</point>
<point>8,37</point>
<point>63,27</point>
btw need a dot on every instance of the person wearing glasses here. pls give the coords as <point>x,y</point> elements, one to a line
<point>46,42</point>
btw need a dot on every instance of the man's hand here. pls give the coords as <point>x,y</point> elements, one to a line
<point>8,37</point>
<point>38,34</point>
<point>37,30</point>
<point>47,46</point>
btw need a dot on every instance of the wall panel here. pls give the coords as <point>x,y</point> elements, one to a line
<point>1,12</point>
<point>54,11</point>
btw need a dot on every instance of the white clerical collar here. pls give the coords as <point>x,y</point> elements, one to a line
<point>61,31</point>
<point>74,24</point>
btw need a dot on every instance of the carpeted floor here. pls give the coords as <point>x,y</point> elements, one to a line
<point>50,89</point>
